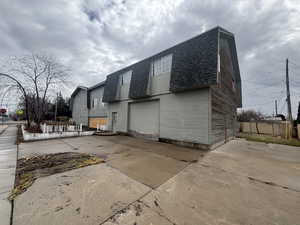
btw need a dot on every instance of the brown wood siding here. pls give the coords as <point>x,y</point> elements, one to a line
<point>99,120</point>
<point>224,98</point>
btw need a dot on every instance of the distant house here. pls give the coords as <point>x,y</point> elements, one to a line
<point>87,106</point>
<point>187,94</point>
<point>79,105</point>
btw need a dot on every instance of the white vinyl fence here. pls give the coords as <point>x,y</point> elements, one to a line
<point>56,131</point>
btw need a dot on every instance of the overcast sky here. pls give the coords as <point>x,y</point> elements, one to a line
<point>97,37</point>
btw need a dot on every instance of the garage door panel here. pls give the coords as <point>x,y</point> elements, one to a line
<point>144,118</point>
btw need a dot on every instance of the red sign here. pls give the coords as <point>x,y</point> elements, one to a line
<point>2,111</point>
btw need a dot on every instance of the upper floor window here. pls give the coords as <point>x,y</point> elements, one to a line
<point>161,65</point>
<point>94,102</point>
<point>101,101</point>
<point>125,78</point>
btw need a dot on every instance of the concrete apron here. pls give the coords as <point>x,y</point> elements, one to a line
<point>8,156</point>
<point>93,194</point>
<point>239,183</point>
<point>89,195</point>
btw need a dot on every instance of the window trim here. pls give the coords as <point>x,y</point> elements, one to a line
<point>121,77</point>
<point>161,65</point>
<point>95,100</point>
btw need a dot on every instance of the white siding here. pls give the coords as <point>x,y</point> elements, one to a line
<point>144,118</point>
<point>122,109</point>
<point>100,108</point>
<point>185,116</point>
<point>80,110</point>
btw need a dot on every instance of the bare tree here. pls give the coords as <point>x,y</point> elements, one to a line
<point>35,76</point>
<point>250,115</point>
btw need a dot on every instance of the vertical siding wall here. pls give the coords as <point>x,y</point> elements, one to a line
<point>185,116</point>
<point>121,108</point>
<point>182,116</point>
<point>224,98</point>
<point>80,110</point>
<point>144,119</point>
<point>101,109</point>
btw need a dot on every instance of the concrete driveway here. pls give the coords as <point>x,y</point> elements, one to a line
<point>145,182</point>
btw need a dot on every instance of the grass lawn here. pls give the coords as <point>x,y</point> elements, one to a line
<point>269,139</point>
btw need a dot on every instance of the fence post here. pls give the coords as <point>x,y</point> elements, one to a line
<point>256,124</point>
<point>285,129</point>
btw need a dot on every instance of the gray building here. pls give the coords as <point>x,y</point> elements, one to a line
<point>79,105</point>
<point>87,106</point>
<point>187,94</point>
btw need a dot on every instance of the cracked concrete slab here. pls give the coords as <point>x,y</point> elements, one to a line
<point>238,183</point>
<point>147,168</point>
<point>211,192</point>
<point>110,144</point>
<point>209,195</point>
<point>172,151</point>
<point>278,164</point>
<point>138,214</point>
<point>88,195</point>
<point>42,147</point>
<point>148,162</point>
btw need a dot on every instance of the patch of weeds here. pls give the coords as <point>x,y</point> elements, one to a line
<point>29,169</point>
<point>274,140</point>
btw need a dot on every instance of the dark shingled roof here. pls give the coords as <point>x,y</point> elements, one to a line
<point>194,65</point>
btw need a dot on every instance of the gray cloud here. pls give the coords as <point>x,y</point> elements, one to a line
<point>96,37</point>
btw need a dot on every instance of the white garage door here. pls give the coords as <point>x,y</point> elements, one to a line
<point>144,119</point>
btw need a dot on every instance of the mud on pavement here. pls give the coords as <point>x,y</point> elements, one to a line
<point>31,168</point>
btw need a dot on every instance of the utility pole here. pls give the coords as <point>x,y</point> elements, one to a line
<point>276,113</point>
<point>288,96</point>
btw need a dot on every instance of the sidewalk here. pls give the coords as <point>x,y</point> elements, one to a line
<point>2,128</point>
<point>8,155</point>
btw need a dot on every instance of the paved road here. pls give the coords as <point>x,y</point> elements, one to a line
<point>8,155</point>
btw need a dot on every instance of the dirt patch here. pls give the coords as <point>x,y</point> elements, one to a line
<point>29,169</point>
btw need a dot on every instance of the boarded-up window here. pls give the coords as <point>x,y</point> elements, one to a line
<point>125,78</point>
<point>161,65</point>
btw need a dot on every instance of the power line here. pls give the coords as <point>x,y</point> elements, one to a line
<point>294,64</point>
<point>259,104</point>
